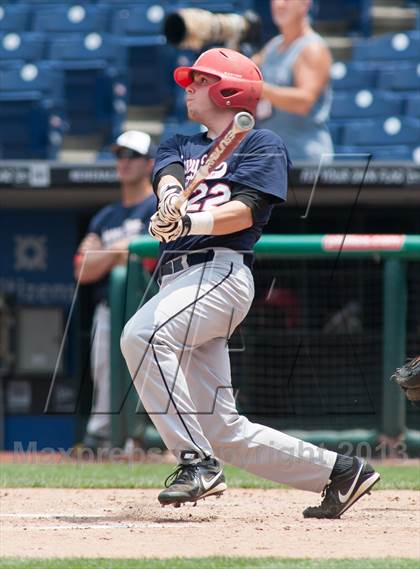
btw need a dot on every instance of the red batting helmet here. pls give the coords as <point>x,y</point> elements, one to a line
<point>240,80</point>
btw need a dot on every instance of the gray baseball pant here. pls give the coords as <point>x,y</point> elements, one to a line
<point>176,351</point>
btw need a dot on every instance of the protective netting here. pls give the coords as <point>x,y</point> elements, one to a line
<point>309,354</point>
<point>413,332</point>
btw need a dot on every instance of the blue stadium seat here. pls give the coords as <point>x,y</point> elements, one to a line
<point>188,128</point>
<point>335,129</point>
<point>392,131</point>
<point>14,18</point>
<point>386,153</point>
<point>178,111</point>
<point>269,30</point>
<point>352,75</point>
<point>412,106</point>
<point>125,3</point>
<point>399,47</point>
<point>96,95</point>
<point>149,62</point>
<point>28,46</point>
<point>365,104</point>
<point>356,14</point>
<point>142,19</point>
<point>29,128</point>
<point>11,63</point>
<point>56,2</point>
<point>235,6</point>
<point>40,76</point>
<point>405,78</point>
<point>72,18</point>
<point>89,47</point>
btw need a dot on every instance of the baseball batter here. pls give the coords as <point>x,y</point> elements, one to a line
<point>176,344</point>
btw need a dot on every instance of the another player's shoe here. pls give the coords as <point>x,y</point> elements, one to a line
<point>344,490</point>
<point>193,480</point>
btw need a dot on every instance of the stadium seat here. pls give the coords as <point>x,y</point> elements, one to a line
<point>149,62</point>
<point>11,63</point>
<point>14,18</point>
<point>407,77</point>
<point>96,94</point>
<point>41,77</point>
<point>142,19</point>
<point>365,104</point>
<point>27,46</point>
<point>269,30</point>
<point>187,128</point>
<point>355,14</point>
<point>385,153</point>
<point>82,18</point>
<point>351,75</point>
<point>56,2</point>
<point>89,47</point>
<point>399,47</point>
<point>335,129</point>
<point>412,106</point>
<point>234,6</point>
<point>178,111</point>
<point>391,131</point>
<point>29,128</point>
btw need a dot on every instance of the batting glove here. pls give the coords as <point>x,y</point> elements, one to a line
<point>165,231</point>
<point>169,210</point>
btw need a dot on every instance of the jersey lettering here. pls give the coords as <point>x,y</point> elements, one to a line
<point>205,198</point>
<point>191,167</point>
<point>260,163</point>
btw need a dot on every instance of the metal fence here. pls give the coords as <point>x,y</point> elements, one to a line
<point>333,317</point>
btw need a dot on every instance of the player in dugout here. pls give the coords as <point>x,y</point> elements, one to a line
<point>104,247</point>
<point>175,345</point>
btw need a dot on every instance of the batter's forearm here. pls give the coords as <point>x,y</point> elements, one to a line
<point>223,220</point>
<point>232,218</point>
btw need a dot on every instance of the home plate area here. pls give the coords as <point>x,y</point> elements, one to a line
<point>131,524</point>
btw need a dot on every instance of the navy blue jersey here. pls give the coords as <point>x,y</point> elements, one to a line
<point>260,162</point>
<point>115,222</point>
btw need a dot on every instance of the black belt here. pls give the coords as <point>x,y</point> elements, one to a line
<point>181,263</point>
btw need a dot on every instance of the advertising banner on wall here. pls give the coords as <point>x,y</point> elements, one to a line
<point>36,254</point>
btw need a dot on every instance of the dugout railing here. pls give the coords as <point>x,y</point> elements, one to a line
<point>333,317</point>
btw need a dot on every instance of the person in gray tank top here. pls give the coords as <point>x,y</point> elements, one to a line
<point>296,96</point>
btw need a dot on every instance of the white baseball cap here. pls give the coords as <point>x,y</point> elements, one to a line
<point>136,140</point>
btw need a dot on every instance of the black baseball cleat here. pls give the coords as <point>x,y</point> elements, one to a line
<point>344,490</point>
<point>194,479</point>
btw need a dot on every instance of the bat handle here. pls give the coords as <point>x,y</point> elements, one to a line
<point>180,201</point>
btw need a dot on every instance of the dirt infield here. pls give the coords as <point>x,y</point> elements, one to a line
<point>131,524</point>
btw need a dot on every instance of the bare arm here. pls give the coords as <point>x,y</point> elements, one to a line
<point>311,75</point>
<point>258,57</point>
<point>231,217</point>
<point>92,261</point>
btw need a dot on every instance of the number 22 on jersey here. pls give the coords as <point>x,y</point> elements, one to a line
<point>206,197</point>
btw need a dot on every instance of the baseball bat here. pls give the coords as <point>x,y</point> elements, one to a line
<point>222,147</point>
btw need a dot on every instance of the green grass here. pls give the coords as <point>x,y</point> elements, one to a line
<point>135,475</point>
<point>210,563</point>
